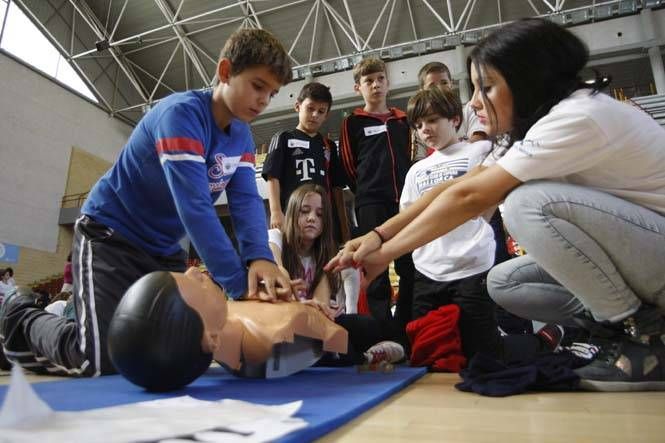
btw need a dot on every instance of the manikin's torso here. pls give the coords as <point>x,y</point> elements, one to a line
<point>253,327</point>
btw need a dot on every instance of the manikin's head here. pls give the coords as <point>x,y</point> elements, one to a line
<point>169,326</point>
<point>166,328</point>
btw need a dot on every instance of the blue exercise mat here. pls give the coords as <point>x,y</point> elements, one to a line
<point>331,396</point>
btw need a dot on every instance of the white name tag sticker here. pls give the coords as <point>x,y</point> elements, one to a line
<point>295,143</point>
<point>373,130</point>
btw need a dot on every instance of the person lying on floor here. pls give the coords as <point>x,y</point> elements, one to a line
<point>584,187</point>
<point>169,327</point>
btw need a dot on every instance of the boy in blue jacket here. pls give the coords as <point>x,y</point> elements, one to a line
<point>182,155</point>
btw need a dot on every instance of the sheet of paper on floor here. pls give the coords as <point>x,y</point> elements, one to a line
<point>174,419</point>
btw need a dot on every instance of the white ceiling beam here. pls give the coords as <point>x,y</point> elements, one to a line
<point>353,25</point>
<point>314,29</point>
<point>108,14</point>
<point>390,20</point>
<point>332,32</point>
<point>183,40</point>
<point>4,19</point>
<point>468,17</point>
<point>117,22</point>
<point>413,23</point>
<point>101,33</point>
<point>534,7</point>
<point>302,27</point>
<point>461,17</point>
<point>153,77</point>
<point>166,68</point>
<point>376,23</point>
<point>450,14</point>
<point>549,5</point>
<point>438,17</point>
<point>253,12</point>
<point>343,25</point>
<point>73,32</point>
<point>185,66</point>
<point>212,59</point>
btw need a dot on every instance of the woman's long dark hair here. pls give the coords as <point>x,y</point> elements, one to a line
<point>323,248</point>
<point>541,63</point>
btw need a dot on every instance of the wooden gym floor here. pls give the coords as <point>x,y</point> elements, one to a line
<point>432,410</point>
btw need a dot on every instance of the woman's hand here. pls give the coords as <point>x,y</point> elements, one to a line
<point>373,265</point>
<point>267,282</point>
<point>354,252</point>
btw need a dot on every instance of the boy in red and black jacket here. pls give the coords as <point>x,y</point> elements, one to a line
<point>375,150</point>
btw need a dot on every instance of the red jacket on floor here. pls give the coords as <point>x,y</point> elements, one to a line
<point>435,340</point>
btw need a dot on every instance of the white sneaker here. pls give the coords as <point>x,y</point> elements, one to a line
<point>388,351</point>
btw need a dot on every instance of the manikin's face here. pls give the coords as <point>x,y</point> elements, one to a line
<point>373,88</point>
<point>310,218</point>
<point>208,299</point>
<point>248,93</point>
<point>434,78</point>
<point>311,115</point>
<point>498,93</point>
<point>436,131</point>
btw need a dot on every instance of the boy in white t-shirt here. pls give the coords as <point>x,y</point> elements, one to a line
<point>452,268</point>
<point>471,130</point>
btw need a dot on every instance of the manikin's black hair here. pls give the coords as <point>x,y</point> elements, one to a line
<point>155,338</point>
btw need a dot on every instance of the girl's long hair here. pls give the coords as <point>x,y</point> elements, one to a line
<point>541,63</point>
<point>323,248</point>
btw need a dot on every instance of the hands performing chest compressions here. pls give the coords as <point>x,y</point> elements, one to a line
<point>170,326</point>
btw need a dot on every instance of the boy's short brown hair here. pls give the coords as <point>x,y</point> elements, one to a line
<point>429,68</point>
<point>317,92</point>
<point>252,47</point>
<point>437,99</point>
<point>368,66</point>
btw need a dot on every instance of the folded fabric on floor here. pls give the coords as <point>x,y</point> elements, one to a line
<point>435,340</point>
<point>545,372</point>
<point>331,396</point>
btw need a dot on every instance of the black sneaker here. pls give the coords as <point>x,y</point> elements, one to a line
<point>624,364</point>
<point>12,312</point>
<point>5,365</point>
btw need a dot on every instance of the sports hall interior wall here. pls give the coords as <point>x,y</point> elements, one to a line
<point>34,265</point>
<point>40,121</point>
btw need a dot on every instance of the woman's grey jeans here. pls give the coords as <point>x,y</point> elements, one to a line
<point>586,250</point>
